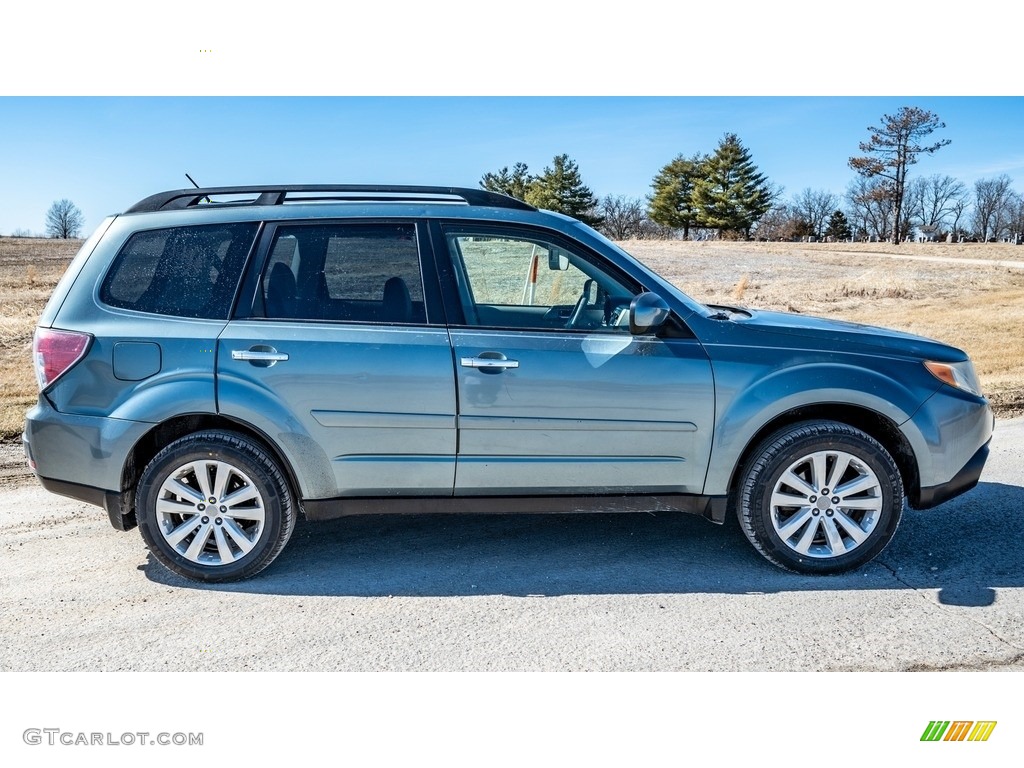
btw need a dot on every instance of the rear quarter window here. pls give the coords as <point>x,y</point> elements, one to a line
<point>181,271</point>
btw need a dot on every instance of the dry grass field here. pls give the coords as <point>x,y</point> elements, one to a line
<point>971,296</point>
<point>29,271</point>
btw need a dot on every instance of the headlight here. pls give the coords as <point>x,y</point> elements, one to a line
<point>959,375</point>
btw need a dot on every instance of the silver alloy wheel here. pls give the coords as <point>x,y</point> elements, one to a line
<point>210,512</point>
<point>826,504</point>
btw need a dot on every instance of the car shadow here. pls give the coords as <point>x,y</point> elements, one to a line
<point>965,549</point>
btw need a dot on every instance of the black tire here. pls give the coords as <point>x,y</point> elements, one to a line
<point>820,533</point>
<point>220,541</point>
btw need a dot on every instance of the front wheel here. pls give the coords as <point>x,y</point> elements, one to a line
<point>820,497</point>
<point>214,506</point>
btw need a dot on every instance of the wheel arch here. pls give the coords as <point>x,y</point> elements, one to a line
<point>872,423</point>
<point>164,433</point>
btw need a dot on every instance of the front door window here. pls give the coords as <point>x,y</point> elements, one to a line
<point>521,282</point>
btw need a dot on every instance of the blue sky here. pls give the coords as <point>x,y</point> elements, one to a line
<point>104,153</point>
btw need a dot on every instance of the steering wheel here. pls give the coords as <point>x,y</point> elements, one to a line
<point>581,304</point>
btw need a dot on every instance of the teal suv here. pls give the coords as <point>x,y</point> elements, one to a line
<point>216,362</point>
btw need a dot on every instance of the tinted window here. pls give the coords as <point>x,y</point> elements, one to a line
<point>181,271</point>
<point>349,272</point>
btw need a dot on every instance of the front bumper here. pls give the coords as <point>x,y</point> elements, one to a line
<point>950,436</point>
<point>962,482</point>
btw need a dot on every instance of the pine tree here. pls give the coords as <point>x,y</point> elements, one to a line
<point>731,194</point>
<point>671,204</point>
<point>838,227</point>
<point>560,188</point>
<point>892,149</point>
<point>514,183</point>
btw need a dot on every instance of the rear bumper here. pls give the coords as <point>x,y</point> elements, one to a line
<point>82,450</point>
<point>82,457</point>
<point>963,481</point>
<point>111,501</point>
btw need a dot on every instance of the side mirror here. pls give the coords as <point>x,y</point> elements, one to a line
<point>557,260</point>
<point>647,313</point>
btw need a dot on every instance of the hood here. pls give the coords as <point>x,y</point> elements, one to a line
<point>845,336</point>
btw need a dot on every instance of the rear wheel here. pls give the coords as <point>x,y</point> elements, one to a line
<point>214,506</point>
<point>820,497</point>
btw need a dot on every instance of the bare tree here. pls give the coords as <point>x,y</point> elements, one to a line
<point>957,213</point>
<point>992,204</point>
<point>814,206</point>
<point>64,220</point>
<point>932,200</point>
<point>776,224</point>
<point>871,207</point>
<point>624,217</point>
<point>1016,222</point>
<point>892,149</point>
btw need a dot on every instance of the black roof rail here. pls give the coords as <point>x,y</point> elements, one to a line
<point>179,199</point>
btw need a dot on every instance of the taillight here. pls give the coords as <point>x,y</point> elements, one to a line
<point>55,352</point>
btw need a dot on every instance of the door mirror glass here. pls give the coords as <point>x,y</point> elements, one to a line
<point>647,313</point>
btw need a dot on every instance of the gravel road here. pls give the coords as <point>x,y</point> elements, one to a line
<point>589,592</point>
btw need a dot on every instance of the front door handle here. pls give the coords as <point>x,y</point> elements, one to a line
<point>259,355</point>
<point>489,362</point>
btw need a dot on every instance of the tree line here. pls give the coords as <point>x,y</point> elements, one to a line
<point>722,191</point>
<point>723,194</point>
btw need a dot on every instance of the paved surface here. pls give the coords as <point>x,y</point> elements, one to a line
<point>592,592</point>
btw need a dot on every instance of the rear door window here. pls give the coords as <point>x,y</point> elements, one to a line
<point>352,272</point>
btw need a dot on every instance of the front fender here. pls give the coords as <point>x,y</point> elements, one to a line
<point>748,403</point>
